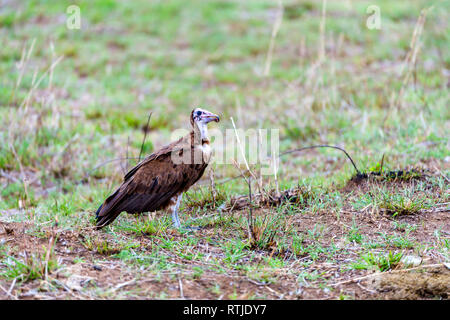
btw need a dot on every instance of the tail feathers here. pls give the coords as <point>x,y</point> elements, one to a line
<point>105,220</point>
<point>101,220</point>
<point>109,210</point>
<point>98,211</point>
<point>106,217</point>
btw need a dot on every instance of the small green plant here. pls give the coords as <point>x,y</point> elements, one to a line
<point>234,251</point>
<point>403,226</point>
<point>210,199</point>
<point>101,246</point>
<point>262,231</point>
<point>305,277</point>
<point>147,225</point>
<point>354,235</point>
<point>197,272</point>
<point>261,274</point>
<point>313,250</point>
<point>152,226</point>
<point>382,262</point>
<point>32,266</point>
<point>297,245</point>
<point>395,204</point>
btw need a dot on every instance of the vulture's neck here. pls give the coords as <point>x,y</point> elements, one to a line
<point>200,134</point>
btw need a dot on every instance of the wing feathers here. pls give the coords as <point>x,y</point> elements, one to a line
<point>149,186</point>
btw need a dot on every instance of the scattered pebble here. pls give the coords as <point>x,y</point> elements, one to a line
<point>411,261</point>
<point>97,268</point>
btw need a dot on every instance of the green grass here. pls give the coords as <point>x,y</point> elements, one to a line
<point>32,266</point>
<point>131,58</point>
<point>382,262</point>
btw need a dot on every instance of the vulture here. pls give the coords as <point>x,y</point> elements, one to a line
<point>158,181</point>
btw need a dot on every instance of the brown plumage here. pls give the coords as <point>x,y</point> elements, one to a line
<point>158,181</point>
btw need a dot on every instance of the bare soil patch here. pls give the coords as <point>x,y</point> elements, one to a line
<point>90,269</point>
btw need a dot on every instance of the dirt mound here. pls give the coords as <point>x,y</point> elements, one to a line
<point>271,198</point>
<point>429,284</point>
<point>362,180</point>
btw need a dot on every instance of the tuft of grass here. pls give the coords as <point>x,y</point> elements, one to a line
<point>206,200</point>
<point>152,226</point>
<point>101,246</point>
<point>235,251</point>
<point>398,205</point>
<point>354,235</point>
<point>264,229</point>
<point>382,262</point>
<point>31,266</point>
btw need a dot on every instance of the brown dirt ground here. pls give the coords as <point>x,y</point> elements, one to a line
<point>101,276</point>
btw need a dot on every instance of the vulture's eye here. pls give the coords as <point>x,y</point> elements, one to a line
<point>199,113</point>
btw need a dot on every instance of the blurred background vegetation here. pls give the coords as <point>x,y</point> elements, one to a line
<point>315,72</point>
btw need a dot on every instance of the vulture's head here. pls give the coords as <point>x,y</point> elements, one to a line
<point>202,117</point>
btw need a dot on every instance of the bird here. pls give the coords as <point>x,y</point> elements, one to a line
<point>159,180</point>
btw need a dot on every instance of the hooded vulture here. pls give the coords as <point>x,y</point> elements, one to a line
<point>158,181</point>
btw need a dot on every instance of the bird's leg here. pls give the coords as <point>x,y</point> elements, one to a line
<point>175,219</point>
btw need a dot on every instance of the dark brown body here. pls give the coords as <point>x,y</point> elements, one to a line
<point>155,182</point>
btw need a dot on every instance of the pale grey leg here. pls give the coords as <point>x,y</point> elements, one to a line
<point>175,219</point>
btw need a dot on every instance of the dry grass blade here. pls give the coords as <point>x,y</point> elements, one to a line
<point>276,28</point>
<point>411,58</point>
<point>22,172</point>
<point>145,135</point>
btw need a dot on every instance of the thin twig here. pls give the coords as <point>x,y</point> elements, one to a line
<point>250,215</point>
<point>181,288</point>
<point>322,146</point>
<point>223,181</point>
<point>9,294</point>
<point>145,136</point>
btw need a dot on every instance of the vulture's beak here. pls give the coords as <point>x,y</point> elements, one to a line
<point>208,116</point>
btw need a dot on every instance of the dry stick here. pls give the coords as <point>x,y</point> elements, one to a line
<point>213,187</point>
<point>249,181</point>
<point>260,180</point>
<point>121,285</point>
<point>9,294</point>
<point>51,243</point>
<point>275,170</point>
<point>181,288</point>
<point>241,149</point>
<point>11,287</point>
<point>145,135</point>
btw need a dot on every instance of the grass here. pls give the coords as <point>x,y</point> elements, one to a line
<point>30,267</point>
<point>72,100</point>
<point>382,262</point>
